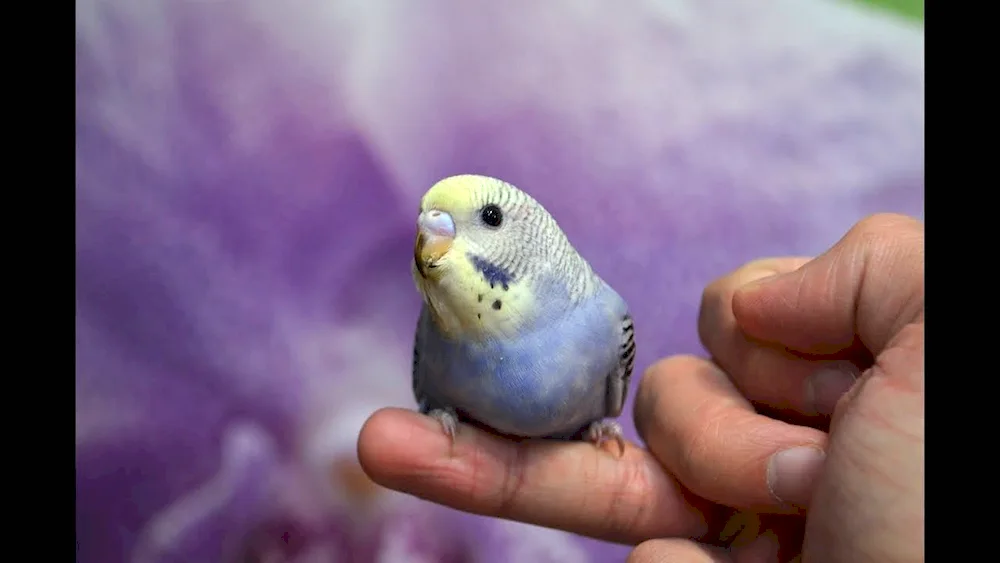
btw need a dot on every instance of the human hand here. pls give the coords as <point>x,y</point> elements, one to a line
<point>709,452</point>
<point>858,307</point>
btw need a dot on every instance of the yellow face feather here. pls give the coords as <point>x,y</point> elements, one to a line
<point>458,195</point>
<point>458,296</point>
<point>463,303</point>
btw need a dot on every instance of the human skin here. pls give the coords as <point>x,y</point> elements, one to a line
<point>785,352</point>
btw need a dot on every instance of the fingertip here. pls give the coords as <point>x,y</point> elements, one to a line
<point>371,448</point>
<point>746,299</point>
<point>752,280</point>
<point>718,315</point>
<point>749,308</point>
<point>760,305</point>
<point>391,439</point>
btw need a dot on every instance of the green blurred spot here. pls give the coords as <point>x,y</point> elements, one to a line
<point>909,8</point>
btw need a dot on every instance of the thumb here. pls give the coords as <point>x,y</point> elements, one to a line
<point>868,286</point>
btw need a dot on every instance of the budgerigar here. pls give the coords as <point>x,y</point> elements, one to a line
<point>516,331</point>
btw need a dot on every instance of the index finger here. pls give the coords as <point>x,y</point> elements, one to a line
<point>572,486</point>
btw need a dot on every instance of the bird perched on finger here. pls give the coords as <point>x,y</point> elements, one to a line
<point>516,330</point>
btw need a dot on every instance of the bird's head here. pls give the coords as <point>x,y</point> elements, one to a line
<point>480,242</point>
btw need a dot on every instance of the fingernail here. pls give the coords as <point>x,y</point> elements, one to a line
<point>791,474</point>
<point>825,387</point>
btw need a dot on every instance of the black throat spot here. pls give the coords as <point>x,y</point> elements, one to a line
<point>493,274</point>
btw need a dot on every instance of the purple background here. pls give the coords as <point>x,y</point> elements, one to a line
<point>247,180</point>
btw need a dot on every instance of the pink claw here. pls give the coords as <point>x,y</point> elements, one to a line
<point>448,420</point>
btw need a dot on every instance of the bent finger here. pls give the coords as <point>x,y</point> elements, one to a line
<point>571,486</point>
<point>769,374</point>
<point>868,286</point>
<point>708,435</point>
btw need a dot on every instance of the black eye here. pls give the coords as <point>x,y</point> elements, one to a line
<point>492,215</point>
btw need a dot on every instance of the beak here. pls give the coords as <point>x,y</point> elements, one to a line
<point>435,235</point>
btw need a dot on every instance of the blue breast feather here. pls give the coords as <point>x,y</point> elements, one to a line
<point>550,381</point>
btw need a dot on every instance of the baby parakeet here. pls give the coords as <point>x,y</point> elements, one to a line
<point>516,331</point>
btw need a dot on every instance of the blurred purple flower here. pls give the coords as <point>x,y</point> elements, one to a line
<point>247,176</point>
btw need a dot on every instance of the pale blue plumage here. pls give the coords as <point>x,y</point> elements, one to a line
<point>552,381</point>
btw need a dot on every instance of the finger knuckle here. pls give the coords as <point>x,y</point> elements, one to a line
<point>630,509</point>
<point>512,483</point>
<point>762,267</point>
<point>881,225</point>
<point>891,248</point>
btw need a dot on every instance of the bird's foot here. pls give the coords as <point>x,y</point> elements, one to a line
<point>448,420</point>
<point>606,430</point>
